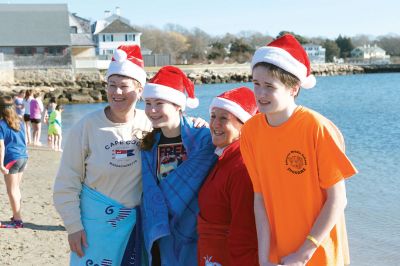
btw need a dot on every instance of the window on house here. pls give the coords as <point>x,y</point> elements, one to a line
<point>55,51</point>
<point>129,37</point>
<point>73,29</point>
<point>25,51</point>
<point>108,38</point>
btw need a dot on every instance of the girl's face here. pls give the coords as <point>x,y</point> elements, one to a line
<point>162,114</point>
<point>224,126</point>
<point>272,96</point>
<point>122,93</point>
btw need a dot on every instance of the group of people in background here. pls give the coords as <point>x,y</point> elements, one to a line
<point>30,108</point>
<point>262,185</point>
<point>20,125</point>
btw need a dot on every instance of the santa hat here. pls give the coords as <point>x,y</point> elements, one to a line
<point>287,53</point>
<point>170,84</point>
<point>127,61</point>
<point>240,102</point>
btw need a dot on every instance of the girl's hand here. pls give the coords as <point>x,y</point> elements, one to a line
<point>4,170</point>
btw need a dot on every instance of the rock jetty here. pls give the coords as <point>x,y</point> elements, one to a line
<point>70,86</point>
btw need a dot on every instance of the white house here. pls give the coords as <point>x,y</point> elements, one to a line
<point>113,31</point>
<point>316,53</point>
<point>370,54</point>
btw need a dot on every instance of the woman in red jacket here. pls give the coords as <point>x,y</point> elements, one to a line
<point>226,226</point>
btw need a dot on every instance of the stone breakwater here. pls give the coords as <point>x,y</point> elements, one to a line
<point>70,86</point>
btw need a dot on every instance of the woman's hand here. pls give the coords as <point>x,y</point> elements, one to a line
<point>76,240</point>
<point>199,122</point>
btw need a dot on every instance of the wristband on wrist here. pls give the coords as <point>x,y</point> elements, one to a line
<point>312,239</point>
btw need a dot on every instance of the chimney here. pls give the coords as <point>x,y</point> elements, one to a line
<point>117,11</point>
<point>107,13</point>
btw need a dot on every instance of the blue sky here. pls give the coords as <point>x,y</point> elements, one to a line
<point>326,18</point>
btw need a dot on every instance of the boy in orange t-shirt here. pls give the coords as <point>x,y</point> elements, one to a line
<point>296,161</point>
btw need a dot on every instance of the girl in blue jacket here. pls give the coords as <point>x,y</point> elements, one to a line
<point>176,158</point>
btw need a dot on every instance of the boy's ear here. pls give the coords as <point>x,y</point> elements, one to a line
<point>294,90</point>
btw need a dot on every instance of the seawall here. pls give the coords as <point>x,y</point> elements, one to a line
<point>88,86</point>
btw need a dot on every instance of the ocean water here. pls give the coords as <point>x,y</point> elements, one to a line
<point>366,108</point>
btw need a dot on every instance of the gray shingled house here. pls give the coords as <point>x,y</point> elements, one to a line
<point>35,35</point>
<point>82,43</point>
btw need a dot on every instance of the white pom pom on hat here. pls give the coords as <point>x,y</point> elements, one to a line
<point>287,53</point>
<point>127,61</point>
<point>120,56</point>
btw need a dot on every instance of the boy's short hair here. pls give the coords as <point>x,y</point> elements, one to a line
<point>288,79</point>
<point>287,54</point>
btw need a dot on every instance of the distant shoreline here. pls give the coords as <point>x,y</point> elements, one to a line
<point>88,86</point>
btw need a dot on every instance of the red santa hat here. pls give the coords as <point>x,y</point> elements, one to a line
<point>172,85</point>
<point>127,61</point>
<point>240,102</point>
<point>287,53</point>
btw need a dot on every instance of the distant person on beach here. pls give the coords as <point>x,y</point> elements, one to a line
<point>36,113</point>
<point>27,117</point>
<point>176,158</point>
<point>13,157</point>
<point>98,187</point>
<point>19,104</point>
<point>297,164</point>
<point>226,226</point>
<point>55,128</point>
<point>50,107</point>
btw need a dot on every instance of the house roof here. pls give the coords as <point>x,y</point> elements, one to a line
<point>34,25</point>
<point>82,39</point>
<point>369,49</point>
<point>118,26</point>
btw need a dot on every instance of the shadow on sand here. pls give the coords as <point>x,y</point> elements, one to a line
<point>42,227</point>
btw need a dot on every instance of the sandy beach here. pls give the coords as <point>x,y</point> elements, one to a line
<point>43,241</point>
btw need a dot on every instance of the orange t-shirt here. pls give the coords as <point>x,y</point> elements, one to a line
<point>292,165</point>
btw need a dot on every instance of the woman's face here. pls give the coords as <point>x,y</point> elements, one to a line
<point>122,93</point>
<point>162,113</point>
<point>224,126</point>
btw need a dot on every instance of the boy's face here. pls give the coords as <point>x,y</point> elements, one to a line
<point>272,96</point>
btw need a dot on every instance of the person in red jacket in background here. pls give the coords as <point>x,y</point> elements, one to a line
<point>226,226</point>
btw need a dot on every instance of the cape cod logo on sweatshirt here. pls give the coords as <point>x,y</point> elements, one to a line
<point>123,152</point>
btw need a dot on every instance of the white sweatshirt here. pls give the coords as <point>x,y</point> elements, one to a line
<point>106,157</point>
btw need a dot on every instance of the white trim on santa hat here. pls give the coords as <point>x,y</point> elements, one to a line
<point>231,107</point>
<point>158,91</point>
<point>122,66</point>
<point>283,59</point>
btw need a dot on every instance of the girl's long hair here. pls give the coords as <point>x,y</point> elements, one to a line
<point>8,113</point>
<point>28,94</point>
<point>149,139</point>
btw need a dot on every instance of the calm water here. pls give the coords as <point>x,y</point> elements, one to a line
<point>367,110</point>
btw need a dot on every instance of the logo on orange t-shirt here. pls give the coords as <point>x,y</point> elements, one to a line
<point>296,162</point>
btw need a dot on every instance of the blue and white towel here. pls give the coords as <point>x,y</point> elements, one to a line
<point>113,231</point>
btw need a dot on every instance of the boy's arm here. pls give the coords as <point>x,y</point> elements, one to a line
<point>263,230</point>
<point>330,213</point>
